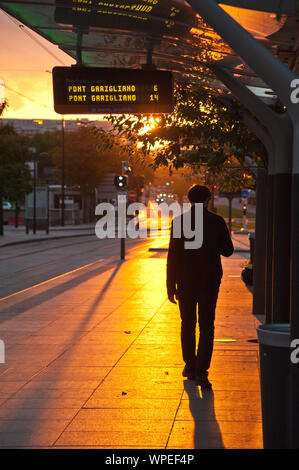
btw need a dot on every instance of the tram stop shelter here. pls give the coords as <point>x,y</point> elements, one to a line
<point>250,49</point>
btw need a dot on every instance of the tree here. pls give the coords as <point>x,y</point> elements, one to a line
<point>126,149</point>
<point>15,177</point>
<point>89,153</point>
<point>181,184</point>
<point>45,143</point>
<point>203,133</point>
<point>84,165</point>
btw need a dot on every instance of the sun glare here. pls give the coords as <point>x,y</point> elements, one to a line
<point>149,125</point>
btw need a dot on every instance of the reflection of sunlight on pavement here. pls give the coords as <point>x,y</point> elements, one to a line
<point>154,222</point>
<point>157,220</point>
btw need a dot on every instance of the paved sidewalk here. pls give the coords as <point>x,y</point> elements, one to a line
<point>13,235</point>
<point>93,359</point>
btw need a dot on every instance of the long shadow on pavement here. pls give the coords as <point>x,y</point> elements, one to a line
<point>207,434</point>
<point>15,414</point>
<point>10,311</point>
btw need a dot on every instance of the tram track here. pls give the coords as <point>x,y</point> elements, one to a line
<point>48,248</point>
<point>59,259</point>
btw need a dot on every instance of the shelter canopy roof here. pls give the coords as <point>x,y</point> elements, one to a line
<point>121,33</point>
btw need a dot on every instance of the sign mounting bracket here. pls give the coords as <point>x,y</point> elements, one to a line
<point>80,32</point>
<point>150,44</point>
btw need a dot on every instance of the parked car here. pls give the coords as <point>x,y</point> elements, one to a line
<point>6,205</point>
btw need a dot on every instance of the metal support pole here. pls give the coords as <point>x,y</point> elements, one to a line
<point>149,54</point>
<point>230,215</point>
<point>260,243</point>
<point>281,247</point>
<point>48,212</point>
<point>150,44</point>
<point>16,214</point>
<point>295,288</point>
<point>260,261</point>
<point>122,230</point>
<point>122,248</point>
<point>62,172</point>
<point>79,47</point>
<point>1,216</point>
<point>34,195</point>
<point>269,254</point>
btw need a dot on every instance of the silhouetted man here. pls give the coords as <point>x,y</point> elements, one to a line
<point>194,277</point>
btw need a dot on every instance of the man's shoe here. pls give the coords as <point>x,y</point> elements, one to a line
<point>204,382</point>
<point>189,373</point>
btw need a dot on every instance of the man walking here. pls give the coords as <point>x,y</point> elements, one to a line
<point>194,277</point>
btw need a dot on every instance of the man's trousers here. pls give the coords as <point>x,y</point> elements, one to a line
<point>205,299</point>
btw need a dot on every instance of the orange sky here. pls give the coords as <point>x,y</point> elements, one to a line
<point>23,67</point>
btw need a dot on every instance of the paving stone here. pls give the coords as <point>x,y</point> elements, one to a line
<point>20,439</point>
<point>134,438</point>
<point>108,424</point>
<point>37,414</point>
<point>87,418</point>
<point>132,403</point>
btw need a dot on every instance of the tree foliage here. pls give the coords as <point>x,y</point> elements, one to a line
<point>90,153</point>
<point>83,164</point>
<point>15,176</point>
<point>204,132</point>
<point>45,143</point>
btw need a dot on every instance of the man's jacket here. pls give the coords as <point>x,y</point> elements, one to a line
<point>190,269</point>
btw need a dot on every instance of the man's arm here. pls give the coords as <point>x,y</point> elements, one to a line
<point>172,265</point>
<point>226,246</point>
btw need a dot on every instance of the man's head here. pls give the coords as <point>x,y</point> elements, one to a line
<point>198,193</point>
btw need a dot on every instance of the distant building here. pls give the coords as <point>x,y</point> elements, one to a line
<point>33,126</point>
<point>106,191</point>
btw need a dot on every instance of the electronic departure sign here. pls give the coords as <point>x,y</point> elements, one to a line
<point>157,16</point>
<point>97,90</point>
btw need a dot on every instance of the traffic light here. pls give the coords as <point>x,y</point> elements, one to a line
<point>244,209</point>
<point>120,182</point>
